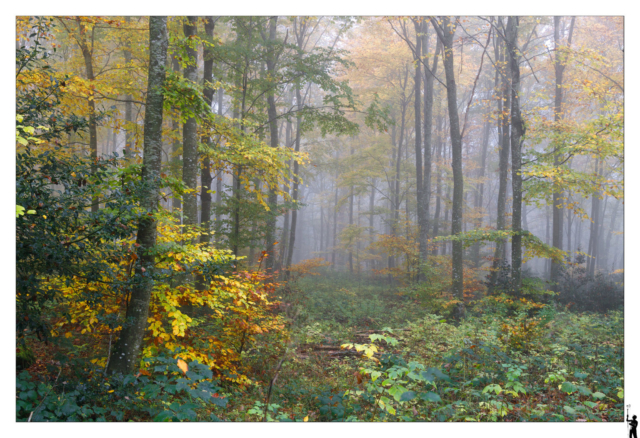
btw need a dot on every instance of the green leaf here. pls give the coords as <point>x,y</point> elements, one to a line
<point>430,397</point>
<point>569,410</point>
<point>409,395</point>
<point>580,375</point>
<point>598,395</point>
<point>568,387</point>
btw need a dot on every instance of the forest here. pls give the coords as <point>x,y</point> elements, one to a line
<point>319,218</point>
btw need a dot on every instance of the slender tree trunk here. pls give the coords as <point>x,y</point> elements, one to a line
<point>612,224</point>
<point>190,135</point>
<point>294,213</point>
<point>504,107</point>
<point>479,194</point>
<point>335,218</point>
<point>428,123</point>
<point>272,113</point>
<point>421,201</point>
<point>220,173</point>
<point>209,92</point>
<point>176,200</point>
<point>558,194</point>
<point>517,138</point>
<point>124,357</point>
<point>595,224</point>
<point>436,214</point>
<point>87,54</point>
<point>446,33</point>
<point>206,178</point>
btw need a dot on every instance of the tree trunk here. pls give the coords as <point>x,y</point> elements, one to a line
<point>436,214</point>
<point>446,33</point>
<point>124,357</point>
<point>558,194</point>
<point>87,54</point>
<point>272,113</point>
<point>517,138</point>
<point>294,213</point>
<point>206,178</point>
<point>421,201</point>
<point>504,107</point>
<point>176,201</point>
<point>190,135</point>
<point>479,194</point>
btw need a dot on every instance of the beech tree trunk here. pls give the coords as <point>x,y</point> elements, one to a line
<point>124,356</point>
<point>517,138</point>
<point>504,107</point>
<point>272,58</point>
<point>558,194</point>
<point>446,33</point>
<point>190,135</point>
<point>87,54</point>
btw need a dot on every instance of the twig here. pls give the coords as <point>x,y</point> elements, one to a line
<point>277,373</point>
<point>45,396</point>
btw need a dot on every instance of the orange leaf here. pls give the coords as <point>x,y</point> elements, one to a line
<point>183,366</point>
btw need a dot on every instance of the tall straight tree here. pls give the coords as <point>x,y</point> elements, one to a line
<point>559,65</point>
<point>504,125</point>
<point>209,92</point>
<point>301,27</point>
<point>445,31</point>
<point>124,357</point>
<point>206,178</point>
<point>190,132</point>
<point>517,138</point>
<point>429,75</point>
<point>273,53</point>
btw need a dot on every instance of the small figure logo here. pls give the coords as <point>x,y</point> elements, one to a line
<point>633,424</point>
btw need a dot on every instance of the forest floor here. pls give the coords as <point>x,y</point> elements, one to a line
<point>492,367</point>
<point>358,349</point>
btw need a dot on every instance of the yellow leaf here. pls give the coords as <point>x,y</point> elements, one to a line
<point>68,335</point>
<point>183,366</point>
<point>306,418</point>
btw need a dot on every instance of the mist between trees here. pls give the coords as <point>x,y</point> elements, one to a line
<point>165,157</point>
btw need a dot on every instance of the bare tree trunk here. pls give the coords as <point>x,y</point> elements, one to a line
<point>428,123</point>
<point>517,138</point>
<point>446,33</point>
<point>124,357</point>
<point>209,92</point>
<point>190,135</point>
<point>220,173</point>
<point>335,218</point>
<point>436,215</point>
<point>87,54</point>
<point>176,200</point>
<point>558,195</point>
<point>294,213</point>
<point>206,178</point>
<point>350,224</point>
<point>504,107</point>
<point>421,201</point>
<point>272,58</point>
<point>479,194</point>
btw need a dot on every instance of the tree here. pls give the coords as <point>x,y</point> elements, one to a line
<point>190,130</point>
<point>124,357</point>
<point>517,138</point>
<point>446,30</point>
<point>559,66</point>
